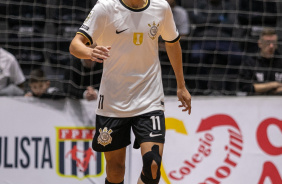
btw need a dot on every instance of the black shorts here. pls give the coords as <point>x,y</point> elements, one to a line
<point>114,133</point>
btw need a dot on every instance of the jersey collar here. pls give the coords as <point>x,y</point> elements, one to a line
<point>136,9</point>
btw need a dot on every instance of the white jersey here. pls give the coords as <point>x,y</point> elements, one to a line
<point>131,82</point>
<point>10,71</point>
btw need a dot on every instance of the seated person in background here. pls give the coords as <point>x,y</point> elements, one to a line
<point>262,74</point>
<point>40,86</point>
<point>253,16</point>
<point>11,76</point>
<point>82,80</point>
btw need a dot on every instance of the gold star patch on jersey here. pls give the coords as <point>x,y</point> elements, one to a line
<point>153,31</point>
<point>105,138</point>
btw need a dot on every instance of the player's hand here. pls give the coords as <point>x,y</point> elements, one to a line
<point>28,94</point>
<point>91,93</point>
<point>275,84</point>
<point>278,90</point>
<point>100,53</point>
<point>185,98</point>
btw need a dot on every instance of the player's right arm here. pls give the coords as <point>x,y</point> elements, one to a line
<point>89,33</point>
<point>79,49</point>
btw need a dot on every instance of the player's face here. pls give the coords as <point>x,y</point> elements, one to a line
<point>268,45</point>
<point>38,88</point>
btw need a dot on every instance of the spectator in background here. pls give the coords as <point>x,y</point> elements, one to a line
<point>253,16</point>
<point>11,76</point>
<point>262,74</point>
<point>180,17</point>
<point>214,54</point>
<point>83,79</point>
<point>40,86</point>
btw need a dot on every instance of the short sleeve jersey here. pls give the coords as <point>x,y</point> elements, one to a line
<point>10,71</point>
<point>131,82</point>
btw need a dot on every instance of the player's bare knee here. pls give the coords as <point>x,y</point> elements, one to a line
<point>154,169</point>
<point>116,167</point>
<point>120,165</point>
<point>151,166</point>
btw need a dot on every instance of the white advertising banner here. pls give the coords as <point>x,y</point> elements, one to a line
<point>224,140</point>
<point>47,141</point>
<point>228,140</point>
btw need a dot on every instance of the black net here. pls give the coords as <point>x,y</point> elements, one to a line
<point>222,35</point>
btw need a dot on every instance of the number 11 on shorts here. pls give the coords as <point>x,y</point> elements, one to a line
<point>156,125</point>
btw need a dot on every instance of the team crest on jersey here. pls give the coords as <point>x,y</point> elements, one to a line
<point>105,138</point>
<point>154,30</point>
<point>75,157</point>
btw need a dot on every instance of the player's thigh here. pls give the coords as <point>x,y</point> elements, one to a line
<point>149,127</point>
<point>116,157</point>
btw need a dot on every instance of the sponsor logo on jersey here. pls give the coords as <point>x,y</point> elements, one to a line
<point>105,138</point>
<point>85,27</point>
<point>154,30</point>
<point>75,157</point>
<point>118,32</point>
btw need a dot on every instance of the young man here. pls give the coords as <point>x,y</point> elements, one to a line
<point>262,74</point>
<point>131,91</point>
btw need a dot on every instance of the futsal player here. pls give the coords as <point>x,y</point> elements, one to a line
<point>131,91</point>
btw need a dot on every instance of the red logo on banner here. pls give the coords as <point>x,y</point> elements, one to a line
<point>234,149</point>
<point>216,121</point>
<point>263,139</point>
<point>75,157</point>
<point>82,164</point>
<point>269,170</point>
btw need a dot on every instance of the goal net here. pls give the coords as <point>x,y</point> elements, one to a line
<point>38,34</point>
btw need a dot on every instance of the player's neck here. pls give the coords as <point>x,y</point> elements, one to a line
<point>135,3</point>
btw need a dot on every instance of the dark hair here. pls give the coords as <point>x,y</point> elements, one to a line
<point>268,32</point>
<point>37,75</point>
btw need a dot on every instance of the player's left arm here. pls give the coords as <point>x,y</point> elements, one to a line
<point>175,56</point>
